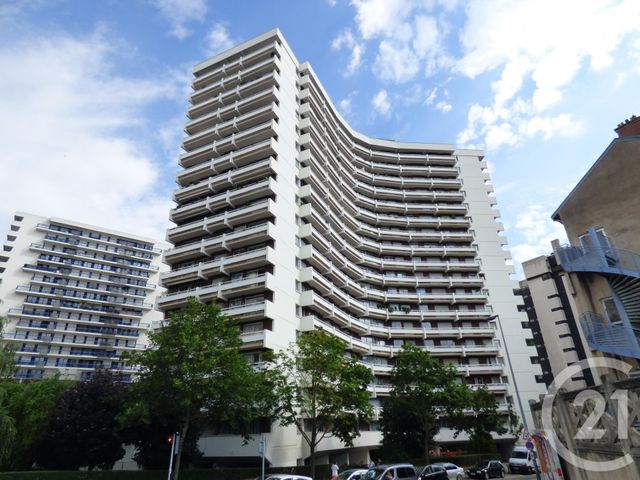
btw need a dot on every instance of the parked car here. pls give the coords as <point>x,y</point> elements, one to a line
<point>352,474</point>
<point>400,471</point>
<point>286,476</point>
<point>488,469</point>
<point>454,472</point>
<point>433,472</point>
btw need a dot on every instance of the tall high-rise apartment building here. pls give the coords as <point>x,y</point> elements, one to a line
<point>292,221</point>
<point>76,296</point>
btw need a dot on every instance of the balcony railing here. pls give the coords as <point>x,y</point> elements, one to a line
<point>609,260</point>
<point>616,339</point>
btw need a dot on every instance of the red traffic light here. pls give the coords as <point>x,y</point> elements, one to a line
<point>170,439</point>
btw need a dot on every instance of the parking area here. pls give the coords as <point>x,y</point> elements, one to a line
<point>515,476</point>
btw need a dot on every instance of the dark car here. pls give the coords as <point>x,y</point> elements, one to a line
<point>433,472</point>
<point>489,469</point>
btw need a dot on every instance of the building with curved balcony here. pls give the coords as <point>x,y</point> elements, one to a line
<point>76,296</point>
<point>292,221</point>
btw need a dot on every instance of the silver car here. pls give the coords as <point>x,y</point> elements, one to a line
<point>352,474</point>
<point>454,472</point>
<point>400,471</point>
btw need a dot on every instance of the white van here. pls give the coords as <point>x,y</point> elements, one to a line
<point>521,460</point>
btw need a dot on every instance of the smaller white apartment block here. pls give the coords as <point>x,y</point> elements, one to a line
<point>76,297</point>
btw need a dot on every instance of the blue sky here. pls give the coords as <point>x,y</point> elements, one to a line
<point>93,94</point>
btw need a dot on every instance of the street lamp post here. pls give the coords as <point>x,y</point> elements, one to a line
<point>515,386</point>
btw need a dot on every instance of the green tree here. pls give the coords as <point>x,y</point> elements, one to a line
<point>149,437</point>
<point>30,405</point>
<point>7,430</point>
<point>83,430</point>
<point>7,351</point>
<point>320,390</point>
<point>7,423</point>
<point>482,418</point>
<point>193,369</point>
<point>424,391</point>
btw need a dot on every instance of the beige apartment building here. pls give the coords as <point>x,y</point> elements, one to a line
<point>601,219</point>
<point>600,272</point>
<point>292,221</point>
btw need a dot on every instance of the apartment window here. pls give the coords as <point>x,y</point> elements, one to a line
<point>531,342</point>
<point>611,310</point>
<point>534,360</point>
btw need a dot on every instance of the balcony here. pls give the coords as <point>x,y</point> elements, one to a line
<point>222,146</point>
<point>56,282</point>
<point>225,113</point>
<point>96,237</point>
<point>224,265</point>
<point>251,310</point>
<point>232,160</point>
<point>606,261</point>
<point>258,339</point>
<point>251,212</point>
<point>249,285</point>
<point>242,62</point>
<point>228,97</point>
<point>213,88</point>
<point>84,255</point>
<point>238,238</point>
<point>230,179</point>
<point>101,277</point>
<point>229,199</point>
<point>617,339</point>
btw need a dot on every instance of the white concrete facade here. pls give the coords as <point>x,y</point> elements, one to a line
<point>76,296</point>
<point>292,221</point>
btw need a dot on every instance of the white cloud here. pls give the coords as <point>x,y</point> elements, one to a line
<point>538,230</point>
<point>218,39</point>
<point>181,12</point>
<point>9,10</point>
<point>77,144</point>
<point>345,106</point>
<point>348,40</point>
<point>410,40</point>
<point>536,48</point>
<point>382,17</point>
<point>396,62</point>
<point>443,106</point>
<point>381,102</point>
<point>431,96</point>
<point>527,43</point>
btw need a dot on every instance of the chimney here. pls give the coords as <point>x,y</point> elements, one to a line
<point>631,126</point>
